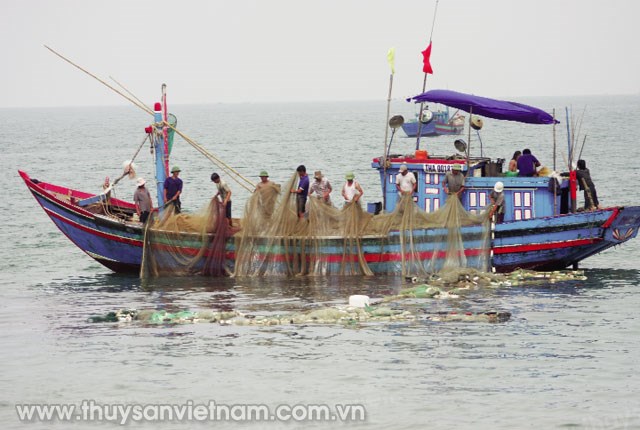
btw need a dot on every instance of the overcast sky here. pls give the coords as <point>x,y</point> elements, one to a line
<point>210,51</point>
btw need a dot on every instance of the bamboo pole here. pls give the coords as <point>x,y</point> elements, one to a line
<point>142,106</point>
<point>555,182</point>
<point>578,129</point>
<point>128,92</point>
<point>391,54</point>
<point>582,147</point>
<point>215,160</point>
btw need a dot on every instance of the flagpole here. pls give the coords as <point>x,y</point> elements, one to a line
<point>427,53</point>
<point>390,58</point>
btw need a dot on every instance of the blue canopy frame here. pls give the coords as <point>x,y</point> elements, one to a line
<point>491,108</point>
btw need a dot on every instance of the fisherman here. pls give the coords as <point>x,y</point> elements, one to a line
<point>584,181</point>
<point>302,191</point>
<point>351,191</point>
<point>527,164</point>
<point>497,201</point>
<point>266,195</point>
<point>321,186</point>
<point>173,189</point>
<point>405,181</point>
<point>142,199</point>
<point>264,180</point>
<point>224,195</point>
<point>454,180</point>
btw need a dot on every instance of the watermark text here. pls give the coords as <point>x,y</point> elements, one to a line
<point>124,413</point>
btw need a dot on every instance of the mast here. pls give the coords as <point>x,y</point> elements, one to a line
<point>165,129</point>
<point>390,58</point>
<point>158,134</point>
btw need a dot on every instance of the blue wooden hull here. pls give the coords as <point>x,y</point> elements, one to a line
<point>541,243</point>
<point>558,242</point>
<point>116,245</point>
<point>411,129</point>
<point>431,129</point>
<point>439,126</point>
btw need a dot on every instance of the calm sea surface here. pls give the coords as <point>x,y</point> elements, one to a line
<point>568,358</point>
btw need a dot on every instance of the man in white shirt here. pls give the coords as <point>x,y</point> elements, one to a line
<point>405,181</point>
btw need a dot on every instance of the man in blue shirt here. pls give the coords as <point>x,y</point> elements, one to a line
<point>527,164</point>
<point>302,191</point>
<point>173,189</point>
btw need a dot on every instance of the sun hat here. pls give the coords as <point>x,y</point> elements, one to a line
<point>456,167</point>
<point>403,167</point>
<point>141,182</point>
<point>175,169</point>
<point>498,187</point>
<point>349,176</point>
<point>317,174</point>
<point>264,173</point>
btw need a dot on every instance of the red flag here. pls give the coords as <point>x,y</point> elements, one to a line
<point>427,65</point>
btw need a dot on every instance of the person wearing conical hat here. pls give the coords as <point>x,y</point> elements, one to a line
<point>173,189</point>
<point>351,191</point>
<point>454,181</point>
<point>264,180</point>
<point>142,199</point>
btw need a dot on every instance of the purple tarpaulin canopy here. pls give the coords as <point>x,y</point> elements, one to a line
<point>483,106</point>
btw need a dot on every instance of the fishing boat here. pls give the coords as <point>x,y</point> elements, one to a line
<point>538,231</point>
<point>434,123</point>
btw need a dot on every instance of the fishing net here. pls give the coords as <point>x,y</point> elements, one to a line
<point>187,244</point>
<point>173,122</point>
<point>274,241</point>
<point>431,242</point>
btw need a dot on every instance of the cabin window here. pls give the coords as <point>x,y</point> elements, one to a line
<point>431,204</point>
<point>477,200</point>
<point>522,205</point>
<point>432,178</point>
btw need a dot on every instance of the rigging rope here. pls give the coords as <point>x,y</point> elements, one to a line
<point>225,167</point>
<point>215,160</point>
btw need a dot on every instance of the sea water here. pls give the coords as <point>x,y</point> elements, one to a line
<point>567,358</point>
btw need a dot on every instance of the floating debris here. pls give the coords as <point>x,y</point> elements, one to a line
<point>447,284</point>
<point>341,315</point>
<point>490,317</point>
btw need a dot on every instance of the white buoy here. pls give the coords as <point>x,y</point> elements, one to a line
<point>358,301</point>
